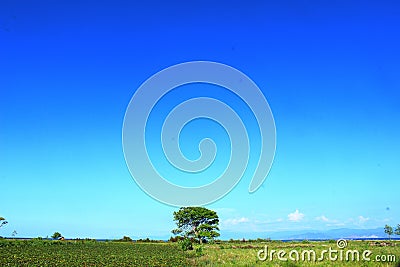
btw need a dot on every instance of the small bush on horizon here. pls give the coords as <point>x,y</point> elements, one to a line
<point>56,235</point>
<point>126,239</point>
<point>175,239</point>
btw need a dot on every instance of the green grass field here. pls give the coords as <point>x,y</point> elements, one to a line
<point>91,253</point>
<point>245,254</point>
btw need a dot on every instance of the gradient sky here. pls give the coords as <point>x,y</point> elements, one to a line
<point>330,72</point>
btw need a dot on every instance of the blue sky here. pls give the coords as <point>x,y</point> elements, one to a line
<point>68,71</point>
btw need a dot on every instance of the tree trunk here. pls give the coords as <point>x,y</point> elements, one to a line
<point>196,234</point>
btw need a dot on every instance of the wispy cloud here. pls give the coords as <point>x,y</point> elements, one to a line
<point>322,218</point>
<point>295,216</point>
<point>362,219</point>
<point>235,221</point>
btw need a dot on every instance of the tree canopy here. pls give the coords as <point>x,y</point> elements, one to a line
<point>388,230</point>
<point>196,222</point>
<point>2,221</point>
<point>397,230</point>
<point>56,235</point>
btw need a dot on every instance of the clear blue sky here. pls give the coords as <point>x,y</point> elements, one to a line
<point>329,70</point>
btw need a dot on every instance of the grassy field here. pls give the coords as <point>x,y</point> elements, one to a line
<point>245,254</point>
<point>91,253</point>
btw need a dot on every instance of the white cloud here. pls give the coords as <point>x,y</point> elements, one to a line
<point>362,219</point>
<point>295,216</point>
<point>236,221</point>
<point>322,218</point>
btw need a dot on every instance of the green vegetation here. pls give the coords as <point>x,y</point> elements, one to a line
<point>245,253</point>
<point>195,246</point>
<point>186,244</point>
<point>2,221</point>
<point>388,230</point>
<point>89,253</point>
<point>397,230</point>
<point>72,253</point>
<point>126,239</point>
<point>196,222</point>
<point>56,235</point>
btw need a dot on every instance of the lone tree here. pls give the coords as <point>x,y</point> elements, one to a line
<point>397,230</point>
<point>2,221</point>
<point>126,239</point>
<point>196,222</point>
<point>388,230</point>
<point>56,235</point>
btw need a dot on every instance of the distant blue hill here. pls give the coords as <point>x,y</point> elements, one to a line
<point>346,233</point>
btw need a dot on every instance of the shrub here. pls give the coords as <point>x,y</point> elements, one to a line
<point>126,239</point>
<point>175,239</point>
<point>199,251</point>
<point>186,244</point>
<point>56,235</point>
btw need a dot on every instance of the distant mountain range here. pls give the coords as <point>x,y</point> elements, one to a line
<point>345,233</point>
<point>309,234</point>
